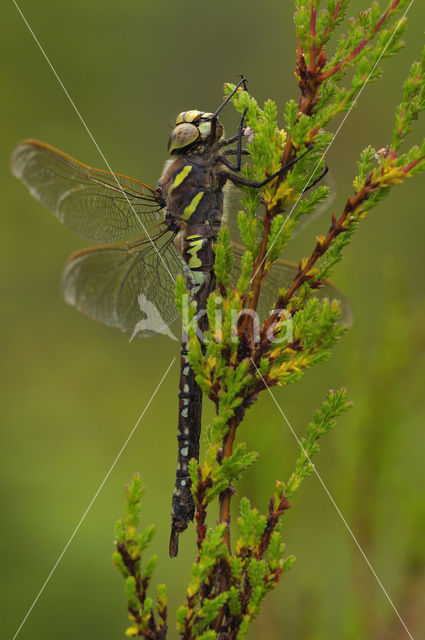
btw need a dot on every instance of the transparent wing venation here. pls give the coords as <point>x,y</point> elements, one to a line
<point>105,282</point>
<point>97,205</point>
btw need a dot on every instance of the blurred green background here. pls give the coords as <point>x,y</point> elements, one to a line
<point>72,390</point>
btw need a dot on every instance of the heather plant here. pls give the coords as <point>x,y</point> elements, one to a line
<point>231,578</point>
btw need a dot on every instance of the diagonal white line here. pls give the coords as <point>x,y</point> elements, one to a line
<point>99,489</point>
<point>91,136</point>
<point>338,510</point>
<point>362,88</point>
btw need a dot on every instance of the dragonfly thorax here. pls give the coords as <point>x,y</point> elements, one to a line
<point>192,132</point>
<point>191,189</point>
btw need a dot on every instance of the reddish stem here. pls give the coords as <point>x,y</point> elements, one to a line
<point>272,520</point>
<point>412,164</point>
<point>362,44</point>
<point>322,245</point>
<point>313,51</point>
<point>334,18</point>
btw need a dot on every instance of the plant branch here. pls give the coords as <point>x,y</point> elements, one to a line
<point>226,496</point>
<point>354,54</point>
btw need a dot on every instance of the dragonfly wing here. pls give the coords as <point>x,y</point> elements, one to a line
<point>98,205</point>
<point>232,205</point>
<point>281,276</point>
<point>128,285</point>
<point>304,221</point>
<point>282,272</point>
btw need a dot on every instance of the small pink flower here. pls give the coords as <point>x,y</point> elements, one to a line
<point>382,153</point>
<point>249,133</point>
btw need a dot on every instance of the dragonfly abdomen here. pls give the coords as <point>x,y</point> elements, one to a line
<point>194,207</point>
<point>197,250</point>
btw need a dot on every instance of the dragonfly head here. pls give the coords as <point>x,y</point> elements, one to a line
<point>192,129</point>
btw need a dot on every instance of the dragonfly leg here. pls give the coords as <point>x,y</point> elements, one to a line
<point>241,82</point>
<point>230,165</point>
<point>232,152</point>
<point>243,182</point>
<point>227,141</point>
<point>238,151</point>
<point>322,175</point>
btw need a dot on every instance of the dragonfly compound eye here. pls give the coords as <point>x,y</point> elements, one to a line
<point>192,116</point>
<point>182,137</point>
<point>205,129</point>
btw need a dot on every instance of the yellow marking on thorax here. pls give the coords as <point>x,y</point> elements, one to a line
<point>191,207</point>
<point>182,175</point>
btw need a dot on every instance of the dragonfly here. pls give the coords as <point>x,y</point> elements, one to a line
<point>144,238</point>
